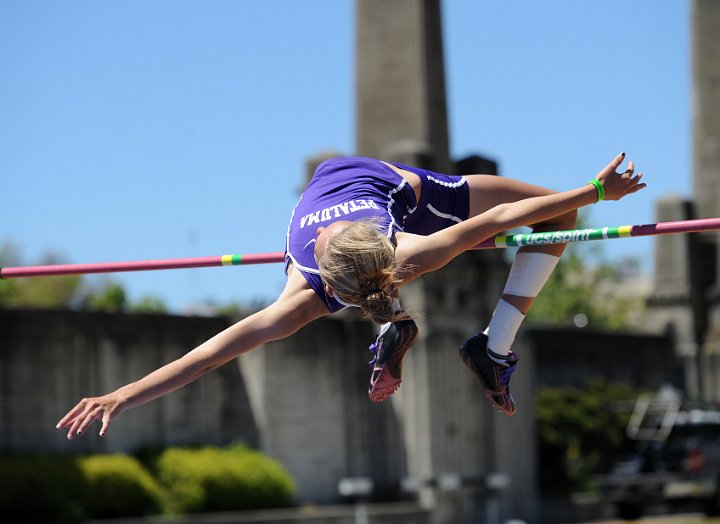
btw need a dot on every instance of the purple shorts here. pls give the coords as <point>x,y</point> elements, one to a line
<point>444,201</point>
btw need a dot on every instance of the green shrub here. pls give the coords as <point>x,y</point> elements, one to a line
<point>37,488</point>
<point>41,489</point>
<point>118,486</point>
<point>211,479</point>
<point>578,430</point>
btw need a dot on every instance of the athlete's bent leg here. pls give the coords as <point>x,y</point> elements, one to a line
<point>488,353</point>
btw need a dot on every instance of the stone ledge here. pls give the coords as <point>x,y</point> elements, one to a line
<point>377,513</point>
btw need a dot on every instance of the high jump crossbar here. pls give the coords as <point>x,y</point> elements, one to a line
<point>500,241</point>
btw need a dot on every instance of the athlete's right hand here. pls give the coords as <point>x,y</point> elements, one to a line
<point>103,408</point>
<point>618,185</point>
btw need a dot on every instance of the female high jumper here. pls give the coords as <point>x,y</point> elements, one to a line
<point>361,230</point>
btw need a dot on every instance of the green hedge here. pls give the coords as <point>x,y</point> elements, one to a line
<point>211,479</point>
<point>41,489</point>
<point>117,486</point>
<point>36,488</point>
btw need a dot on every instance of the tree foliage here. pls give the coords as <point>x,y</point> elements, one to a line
<point>110,299</point>
<point>585,290</point>
<point>149,304</point>
<point>66,292</point>
<point>578,430</point>
<point>43,292</point>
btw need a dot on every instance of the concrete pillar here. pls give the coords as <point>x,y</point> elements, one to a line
<point>706,168</point>
<point>516,458</point>
<point>400,78</point>
<point>409,152</point>
<point>312,163</point>
<point>476,165</point>
<point>706,106</point>
<point>316,417</point>
<point>671,302</point>
<point>447,424</point>
<point>672,252</point>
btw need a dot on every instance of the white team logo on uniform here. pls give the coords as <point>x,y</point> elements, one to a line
<point>337,211</point>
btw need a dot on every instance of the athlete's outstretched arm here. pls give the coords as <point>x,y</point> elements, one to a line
<point>429,253</point>
<point>297,306</point>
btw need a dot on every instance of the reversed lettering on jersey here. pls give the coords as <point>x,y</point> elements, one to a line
<point>337,211</point>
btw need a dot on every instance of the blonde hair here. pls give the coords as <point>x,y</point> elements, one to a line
<point>359,265</point>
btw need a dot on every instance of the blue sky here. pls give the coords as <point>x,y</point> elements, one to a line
<point>137,130</point>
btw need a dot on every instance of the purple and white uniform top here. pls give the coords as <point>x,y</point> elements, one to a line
<point>354,188</point>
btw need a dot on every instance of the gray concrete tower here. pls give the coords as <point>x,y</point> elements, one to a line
<point>448,426</point>
<point>686,298</point>
<point>706,106</point>
<point>706,177</point>
<point>400,101</point>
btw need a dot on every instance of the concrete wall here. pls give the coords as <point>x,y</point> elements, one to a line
<point>49,360</point>
<point>303,400</point>
<point>573,357</point>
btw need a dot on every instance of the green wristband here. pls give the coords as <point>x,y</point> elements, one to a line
<point>599,188</point>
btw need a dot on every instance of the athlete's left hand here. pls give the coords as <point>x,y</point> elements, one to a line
<point>619,184</point>
<point>86,411</point>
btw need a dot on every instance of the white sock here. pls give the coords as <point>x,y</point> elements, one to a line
<point>503,326</point>
<point>528,274</point>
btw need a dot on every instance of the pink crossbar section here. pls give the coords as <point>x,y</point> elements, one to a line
<point>137,265</point>
<point>680,226</point>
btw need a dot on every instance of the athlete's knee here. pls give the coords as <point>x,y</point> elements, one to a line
<point>569,219</point>
<point>565,221</point>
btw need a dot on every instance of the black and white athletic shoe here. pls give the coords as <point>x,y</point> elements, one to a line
<point>391,345</point>
<point>494,373</point>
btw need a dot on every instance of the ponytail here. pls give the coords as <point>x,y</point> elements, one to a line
<point>378,306</point>
<point>359,265</point>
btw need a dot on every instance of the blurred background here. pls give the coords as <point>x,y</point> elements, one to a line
<point>172,129</point>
